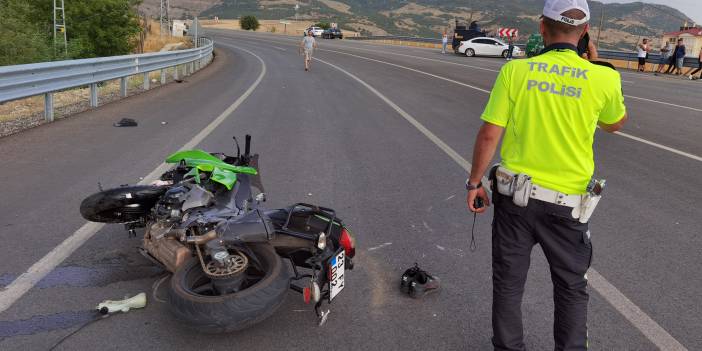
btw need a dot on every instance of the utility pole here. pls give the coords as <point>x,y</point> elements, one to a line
<point>60,26</point>
<point>599,29</point>
<point>165,17</point>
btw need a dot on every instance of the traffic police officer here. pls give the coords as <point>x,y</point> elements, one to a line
<point>549,107</point>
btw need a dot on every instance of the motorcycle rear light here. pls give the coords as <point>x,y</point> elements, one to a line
<point>348,242</point>
<point>306,294</point>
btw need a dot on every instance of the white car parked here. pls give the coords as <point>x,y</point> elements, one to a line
<point>316,31</point>
<point>485,46</point>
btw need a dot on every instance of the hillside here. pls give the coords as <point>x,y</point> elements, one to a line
<point>623,26</point>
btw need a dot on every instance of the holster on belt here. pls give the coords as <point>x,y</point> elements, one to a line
<point>518,186</point>
<point>587,207</point>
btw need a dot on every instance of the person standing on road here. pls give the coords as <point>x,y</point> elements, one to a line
<point>444,42</point>
<point>510,47</point>
<point>666,52</point>
<point>643,50</point>
<point>673,60</point>
<point>307,47</point>
<point>550,106</point>
<point>679,57</point>
<point>699,67</point>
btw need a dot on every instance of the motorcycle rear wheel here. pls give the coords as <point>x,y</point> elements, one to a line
<point>211,313</point>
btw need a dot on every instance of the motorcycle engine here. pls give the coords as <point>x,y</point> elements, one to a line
<point>169,208</point>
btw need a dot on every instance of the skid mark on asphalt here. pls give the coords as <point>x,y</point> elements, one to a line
<point>379,282</point>
<point>78,276</point>
<point>638,318</point>
<point>44,323</point>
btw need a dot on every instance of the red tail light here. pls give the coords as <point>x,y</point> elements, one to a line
<point>348,242</point>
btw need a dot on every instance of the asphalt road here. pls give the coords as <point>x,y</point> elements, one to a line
<point>334,136</point>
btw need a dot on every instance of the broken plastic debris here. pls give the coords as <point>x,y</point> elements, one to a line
<point>161,182</point>
<point>126,122</point>
<point>164,123</point>
<point>110,306</point>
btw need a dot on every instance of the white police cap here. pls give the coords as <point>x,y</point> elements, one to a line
<point>553,9</point>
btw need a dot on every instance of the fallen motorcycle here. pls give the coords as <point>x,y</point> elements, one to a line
<point>227,253</point>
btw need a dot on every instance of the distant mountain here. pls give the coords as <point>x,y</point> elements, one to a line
<point>624,24</point>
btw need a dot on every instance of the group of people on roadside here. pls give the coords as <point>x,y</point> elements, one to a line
<point>671,56</point>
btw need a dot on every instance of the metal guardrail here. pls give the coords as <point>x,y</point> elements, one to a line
<point>604,54</point>
<point>21,81</point>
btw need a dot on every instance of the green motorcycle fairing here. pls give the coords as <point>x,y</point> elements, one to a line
<point>221,172</point>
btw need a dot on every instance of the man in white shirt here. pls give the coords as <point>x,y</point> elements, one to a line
<point>643,54</point>
<point>307,45</point>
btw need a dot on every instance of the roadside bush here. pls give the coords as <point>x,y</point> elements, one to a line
<point>249,23</point>
<point>323,25</point>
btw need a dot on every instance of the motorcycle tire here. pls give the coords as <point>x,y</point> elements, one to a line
<point>121,205</point>
<point>235,311</point>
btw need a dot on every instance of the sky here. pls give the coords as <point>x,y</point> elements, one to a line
<point>691,8</point>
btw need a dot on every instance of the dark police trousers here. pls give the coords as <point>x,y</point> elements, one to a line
<point>566,245</point>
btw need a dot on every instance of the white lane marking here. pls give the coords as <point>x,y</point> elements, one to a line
<point>639,319</point>
<point>493,70</point>
<point>440,143</point>
<point>464,65</point>
<point>662,147</point>
<point>681,153</point>
<point>652,330</point>
<point>338,46</point>
<point>411,69</point>
<point>663,103</point>
<point>11,293</point>
<point>632,137</point>
<point>431,59</point>
<point>379,246</point>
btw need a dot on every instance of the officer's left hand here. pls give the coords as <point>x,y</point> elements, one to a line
<point>477,193</point>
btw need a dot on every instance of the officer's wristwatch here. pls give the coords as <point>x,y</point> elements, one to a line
<point>470,186</point>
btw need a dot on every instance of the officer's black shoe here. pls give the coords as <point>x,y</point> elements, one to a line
<point>408,278</point>
<point>423,284</point>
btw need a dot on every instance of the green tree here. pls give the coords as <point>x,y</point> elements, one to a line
<point>102,27</point>
<point>249,23</point>
<point>94,28</point>
<point>323,25</point>
<point>21,39</point>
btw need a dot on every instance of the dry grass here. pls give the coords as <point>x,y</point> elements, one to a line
<point>155,42</point>
<point>65,99</point>
<point>270,26</point>
<point>339,6</point>
<point>26,113</point>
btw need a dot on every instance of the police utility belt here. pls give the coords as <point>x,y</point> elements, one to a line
<point>520,188</point>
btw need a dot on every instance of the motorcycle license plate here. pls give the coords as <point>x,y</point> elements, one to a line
<point>336,275</point>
